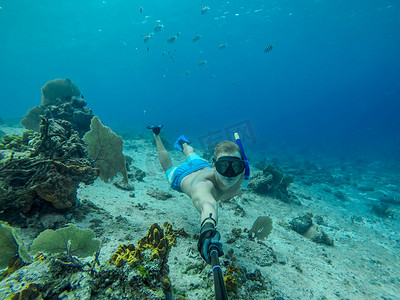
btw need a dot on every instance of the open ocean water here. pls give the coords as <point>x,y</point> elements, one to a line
<point>303,82</point>
<point>331,79</point>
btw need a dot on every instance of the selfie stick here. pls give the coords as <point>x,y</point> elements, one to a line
<point>219,286</point>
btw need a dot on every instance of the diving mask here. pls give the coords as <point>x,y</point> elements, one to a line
<point>229,166</point>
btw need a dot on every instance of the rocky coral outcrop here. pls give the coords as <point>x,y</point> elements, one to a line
<point>48,170</point>
<point>61,100</point>
<point>135,272</point>
<point>305,226</point>
<point>271,181</point>
<point>158,194</point>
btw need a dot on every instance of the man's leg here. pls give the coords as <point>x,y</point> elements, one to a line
<point>163,156</point>
<point>187,149</point>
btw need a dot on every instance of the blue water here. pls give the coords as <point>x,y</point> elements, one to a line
<point>331,81</point>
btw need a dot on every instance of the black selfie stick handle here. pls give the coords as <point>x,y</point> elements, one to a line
<point>219,285</point>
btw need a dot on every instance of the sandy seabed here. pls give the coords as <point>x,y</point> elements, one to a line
<point>362,264</point>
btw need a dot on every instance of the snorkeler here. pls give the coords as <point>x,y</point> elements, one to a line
<point>206,184</point>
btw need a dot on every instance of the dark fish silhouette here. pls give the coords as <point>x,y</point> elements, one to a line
<point>268,48</point>
<point>196,38</point>
<point>140,9</point>
<point>171,39</point>
<point>158,27</point>
<point>147,38</point>
<point>204,10</point>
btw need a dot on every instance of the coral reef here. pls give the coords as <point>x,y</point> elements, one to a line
<point>58,89</point>
<point>136,174</point>
<point>18,143</point>
<point>233,279</point>
<point>272,181</point>
<point>105,148</point>
<point>301,224</point>
<point>79,241</point>
<point>61,100</point>
<point>32,118</point>
<point>49,171</point>
<point>241,284</point>
<point>304,225</point>
<point>11,248</point>
<point>150,257</point>
<point>261,228</point>
<point>56,277</point>
<point>158,243</point>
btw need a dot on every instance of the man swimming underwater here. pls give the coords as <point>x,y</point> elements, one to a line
<point>205,184</point>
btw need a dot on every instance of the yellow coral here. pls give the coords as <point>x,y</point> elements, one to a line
<point>126,254</point>
<point>154,241</point>
<point>14,264</point>
<point>232,279</point>
<point>40,257</point>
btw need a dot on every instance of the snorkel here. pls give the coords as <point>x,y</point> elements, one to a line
<point>247,169</point>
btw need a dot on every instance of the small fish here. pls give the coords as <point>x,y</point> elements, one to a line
<point>222,46</point>
<point>148,48</point>
<point>144,112</point>
<point>204,10</point>
<point>202,62</point>
<point>171,39</point>
<point>141,9</point>
<point>196,38</point>
<point>158,27</point>
<point>147,38</point>
<point>268,48</point>
<point>178,33</point>
<point>82,96</point>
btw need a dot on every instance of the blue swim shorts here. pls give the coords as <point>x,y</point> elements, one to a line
<point>192,164</point>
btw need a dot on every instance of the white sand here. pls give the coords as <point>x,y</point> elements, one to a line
<point>363,264</point>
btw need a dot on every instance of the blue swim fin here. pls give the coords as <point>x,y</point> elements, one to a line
<point>180,141</point>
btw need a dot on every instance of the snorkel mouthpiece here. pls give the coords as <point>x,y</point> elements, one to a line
<point>247,169</point>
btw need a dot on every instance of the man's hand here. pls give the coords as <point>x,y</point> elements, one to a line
<point>208,241</point>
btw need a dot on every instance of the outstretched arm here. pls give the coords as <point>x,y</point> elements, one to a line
<point>209,238</point>
<point>205,202</point>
